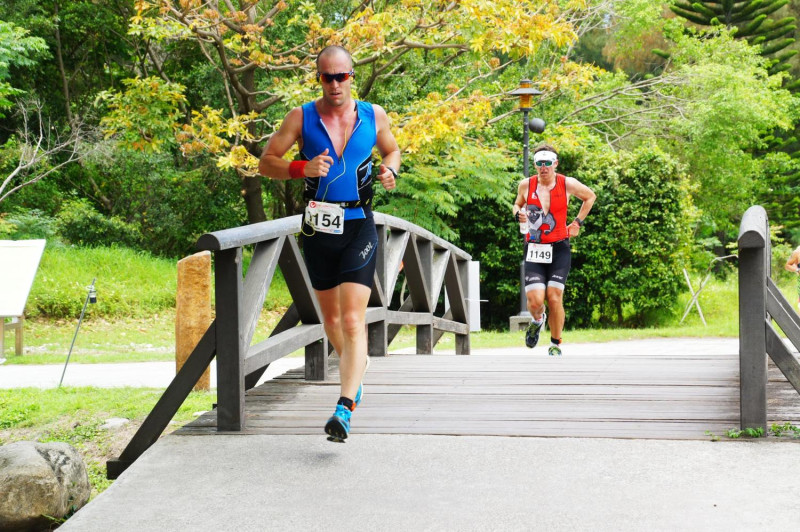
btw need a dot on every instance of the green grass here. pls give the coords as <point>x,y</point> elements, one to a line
<point>129,283</point>
<point>148,334</point>
<point>74,416</point>
<point>153,338</point>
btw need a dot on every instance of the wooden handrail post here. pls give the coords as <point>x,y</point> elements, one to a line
<point>193,310</point>
<point>230,351</point>
<point>753,271</point>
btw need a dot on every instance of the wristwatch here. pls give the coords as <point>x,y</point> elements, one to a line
<point>393,171</point>
<point>580,222</point>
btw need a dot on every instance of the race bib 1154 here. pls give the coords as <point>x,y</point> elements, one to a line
<point>325,217</point>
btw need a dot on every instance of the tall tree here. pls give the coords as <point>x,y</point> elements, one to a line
<point>439,65</point>
<point>751,21</point>
<point>17,49</point>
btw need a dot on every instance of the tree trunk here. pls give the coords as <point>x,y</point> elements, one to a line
<point>60,60</point>
<point>251,193</point>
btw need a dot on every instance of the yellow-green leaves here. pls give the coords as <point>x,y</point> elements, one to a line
<point>145,114</point>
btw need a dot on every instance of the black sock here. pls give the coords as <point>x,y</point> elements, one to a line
<point>347,402</point>
<point>556,341</point>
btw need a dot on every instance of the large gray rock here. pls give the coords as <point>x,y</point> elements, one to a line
<point>38,480</point>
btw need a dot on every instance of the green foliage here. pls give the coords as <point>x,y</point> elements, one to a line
<point>13,413</point>
<point>45,195</point>
<point>129,283</point>
<point>19,49</point>
<point>749,432</point>
<point>74,415</point>
<point>436,196</point>
<point>751,23</point>
<point>492,237</point>
<point>626,265</point>
<point>145,115</point>
<point>730,87</point>
<point>28,225</point>
<point>170,204</point>
<point>81,224</point>
<point>778,430</point>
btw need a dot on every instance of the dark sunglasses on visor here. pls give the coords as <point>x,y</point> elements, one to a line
<point>544,163</point>
<point>340,77</point>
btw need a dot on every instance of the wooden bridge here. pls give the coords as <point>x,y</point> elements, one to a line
<point>657,389</point>
<point>622,393</point>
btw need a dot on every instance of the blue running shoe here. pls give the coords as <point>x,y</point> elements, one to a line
<point>338,425</point>
<point>360,391</point>
<point>554,351</point>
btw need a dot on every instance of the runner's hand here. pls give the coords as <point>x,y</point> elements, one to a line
<point>573,229</point>
<point>319,165</point>
<point>386,177</point>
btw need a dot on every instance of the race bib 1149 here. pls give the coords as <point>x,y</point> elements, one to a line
<point>541,253</point>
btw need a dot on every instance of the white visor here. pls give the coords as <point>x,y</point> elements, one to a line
<point>545,156</point>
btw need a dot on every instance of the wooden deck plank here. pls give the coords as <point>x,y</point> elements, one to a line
<point>620,396</point>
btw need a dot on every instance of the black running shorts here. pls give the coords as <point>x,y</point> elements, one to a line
<point>539,276</point>
<point>347,258</point>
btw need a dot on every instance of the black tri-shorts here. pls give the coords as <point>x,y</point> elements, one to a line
<point>539,276</point>
<point>347,258</point>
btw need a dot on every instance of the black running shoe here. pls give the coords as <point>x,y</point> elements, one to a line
<point>532,334</point>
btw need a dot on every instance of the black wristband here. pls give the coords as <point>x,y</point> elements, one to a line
<point>580,222</point>
<point>393,171</point>
<point>516,216</point>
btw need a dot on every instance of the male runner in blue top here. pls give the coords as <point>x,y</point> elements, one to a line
<point>336,136</point>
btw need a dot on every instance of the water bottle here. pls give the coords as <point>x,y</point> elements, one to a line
<point>523,227</point>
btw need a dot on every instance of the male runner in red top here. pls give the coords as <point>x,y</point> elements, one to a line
<point>542,203</point>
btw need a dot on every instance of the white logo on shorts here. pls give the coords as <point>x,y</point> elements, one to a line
<point>366,251</point>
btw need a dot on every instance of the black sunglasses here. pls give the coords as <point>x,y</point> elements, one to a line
<point>340,77</point>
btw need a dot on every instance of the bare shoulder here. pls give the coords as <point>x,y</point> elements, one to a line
<point>381,118</point>
<point>379,111</point>
<point>572,183</point>
<point>295,116</point>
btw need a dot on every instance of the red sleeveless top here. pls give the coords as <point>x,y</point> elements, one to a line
<point>552,226</point>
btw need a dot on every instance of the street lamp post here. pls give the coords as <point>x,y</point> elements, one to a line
<point>526,92</point>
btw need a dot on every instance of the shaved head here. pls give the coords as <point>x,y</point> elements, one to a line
<point>333,50</point>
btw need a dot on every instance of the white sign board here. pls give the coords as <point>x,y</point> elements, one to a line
<point>19,260</point>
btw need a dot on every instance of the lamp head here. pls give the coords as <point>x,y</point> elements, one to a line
<point>526,92</point>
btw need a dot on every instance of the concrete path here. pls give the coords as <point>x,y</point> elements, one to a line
<point>409,483</point>
<point>136,374</point>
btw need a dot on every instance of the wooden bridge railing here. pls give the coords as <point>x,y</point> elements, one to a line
<point>429,263</point>
<point>761,302</point>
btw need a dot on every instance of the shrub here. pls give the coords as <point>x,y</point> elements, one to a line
<point>81,224</point>
<point>626,265</point>
<point>170,202</point>
<point>33,224</point>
